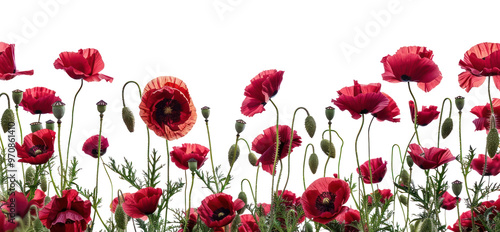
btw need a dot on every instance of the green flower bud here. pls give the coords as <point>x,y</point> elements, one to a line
<point>37,225</point>
<point>405,178</point>
<point>43,183</point>
<point>409,161</point>
<point>193,164</point>
<point>47,200</point>
<point>446,128</point>
<point>231,155</point>
<point>459,103</point>
<point>242,196</point>
<point>128,118</point>
<point>101,106</point>
<point>310,126</point>
<point>328,148</point>
<point>17,96</point>
<point>30,175</point>
<point>58,109</point>
<point>492,141</point>
<point>36,126</point>
<point>235,223</point>
<point>120,217</point>
<point>252,158</point>
<point>427,226</point>
<point>239,126</point>
<point>403,199</point>
<point>308,227</point>
<point>205,111</point>
<point>49,124</point>
<point>313,163</point>
<point>329,112</point>
<point>456,186</point>
<point>7,119</point>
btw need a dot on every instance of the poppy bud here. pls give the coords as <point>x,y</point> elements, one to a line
<point>205,111</point>
<point>492,141</point>
<point>120,217</point>
<point>459,103</point>
<point>329,112</point>
<point>30,175</point>
<point>128,118</point>
<point>231,154</point>
<point>101,106</point>
<point>446,128</point>
<point>328,148</point>
<point>17,96</point>
<point>36,126</point>
<point>193,164</point>
<point>7,119</point>
<point>310,126</point>
<point>313,163</point>
<point>242,196</point>
<point>456,186</point>
<point>405,178</point>
<point>235,223</point>
<point>252,158</point>
<point>239,126</point>
<point>37,225</point>
<point>43,183</point>
<point>403,199</point>
<point>58,109</point>
<point>47,200</point>
<point>308,227</point>
<point>409,161</point>
<point>49,124</point>
<point>427,226</point>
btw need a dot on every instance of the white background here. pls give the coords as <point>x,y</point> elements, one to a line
<point>217,46</point>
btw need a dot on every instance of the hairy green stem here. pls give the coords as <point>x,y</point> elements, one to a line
<point>359,167</point>
<point>290,146</point>
<point>274,163</point>
<point>251,189</point>
<point>304,165</point>
<point>416,113</point>
<point>71,128</point>
<point>96,191</point>
<point>211,159</point>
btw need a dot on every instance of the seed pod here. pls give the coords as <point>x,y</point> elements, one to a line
<point>58,109</point>
<point>459,102</point>
<point>193,164</point>
<point>17,96</point>
<point>43,183</point>
<point>239,126</point>
<point>456,186</point>
<point>205,111</point>
<point>36,126</point>
<point>328,148</point>
<point>310,126</point>
<point>128,118</point>
<point>409,161</point>
<point>49,124</point>
<point>120,217</point>
<point>101,106</point>
<point>403,199</point>
<point>329,113</point>
<point>252,158</point>
<point>7,119</point>
<point>313,163</point>
<point>446,128</point>
<point>492,141</point>
<point>405,178</point>
<point>47,200</point>
<point>230,155</point>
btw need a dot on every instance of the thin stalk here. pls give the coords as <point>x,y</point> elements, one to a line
<point>357,162</point>
<point>369,157</point>
<point>21,134</point>
<point>458,214</point>
<point>394,179</point>
<point>251,189</point>
<point>290,146</point>
<point>96,191</point>
<point>109,177</point>
<point>274,164</point>
<point>211,159</point>
<point>441,117</point>
<point>416,113</point>
<point>304,165</point>
<point>330,139</point>
<point>256,181</point>
<point>408,204</point>
<point>188,211</point>
<point>71,127</point>
<point>340,153</point>
<point>168,182</point>
<point>63,175</point>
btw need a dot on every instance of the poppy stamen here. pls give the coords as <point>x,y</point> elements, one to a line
<point>405,78</point>
<point>325,202</point>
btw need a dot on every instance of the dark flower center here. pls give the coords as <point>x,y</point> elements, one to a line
<point>405,78</point>
<point>168,111</point>
<point>94,151</point>
<point>69,221</point>
<point>364,111</point>
<point>37,150</point>
<point>220,214</point>
<point>38,112</point>
<point>325,202</point>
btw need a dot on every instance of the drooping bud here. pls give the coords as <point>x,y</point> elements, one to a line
<point>37,225</point>
<point>193,164</point>
<point>456,186</point>
<point>308,227</point>
<point>313,163</point>
<point>242,196</point>
<point>492,139</point>
<point>409,161</point>
<point>17,96</point>
<point>447,127</point>
<point>120,217</point>
<point>58,109</point>
<point>239,126</point>
<point>405,178</point>
<point>232,156</point>
<point>101,106</point>
<point>205,111</point>
<point>47,200</point>
<point>30,175</point>
<point>459,103</point>
<point>403,199</point>
<point>427,226</point>
<point>128,118</point>
<point>252,158</point>
<point>329,113</point>
<point>7,119</point>
<point>43,183</point>
<point>328,148</point>
<point>36,126</point>
<point>310,126</point>
<point>49,124</point>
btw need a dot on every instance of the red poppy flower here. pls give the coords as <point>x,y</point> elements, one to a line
<point>218,209</point>
<point>492,167</point>
<point>262,87</point>
<point>466,223</point>
<point>347,216</point>
<point>425,116</point>
<point>429,158</point>
<point>289,201</point>
<point>91,146</point>
<point>483,114</point>
<point>66,213</point>
<point>6,224</point>
<point>142,203</point>
<point>22,204</point>
<point>167,108</point>
<point>181,155</point>
<point>449,201</point>
<point>412,64</point>
<point>39,100</point>
<point>8,64</point>
<point>361,99</point>
<point>378,168</point>
<point>480,61</point>
<point>390,112</point>
<point>384,195</point>
<point>37,148</point>
<point>84,64</point>
<point>193,218</point>
<point>265,144</point>
<point>248,224</point>
<point>323,199</point>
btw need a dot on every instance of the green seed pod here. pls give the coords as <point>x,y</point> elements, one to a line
<point>492,141</point>
<point>446,128</point>
<point>128,118</point>
<point>43,183</point>
<point>427,226</point>
<point>310,126</point>
<point>328,148</point>
<point>7,119</point>
<point>456,186</point>
<point>58,109</point>
<point>403,199</point>
<point>252,158</point>
<point>405,178</point>
<point>239,126</point>
<point>230,155</point>
<point>242,196</point>
<point>205,111</point>
<point>17,96</point>
<point>36,126</point>
<point>49,124</point>
<point>101,106</point>
<point>193,164</point>
<point>47,200</point>
<point>459,103</point>
<point>329,113</point>
<point>120,217</point>
<point>308,227</point>
<point>30,175</point>
<point>313,163</point>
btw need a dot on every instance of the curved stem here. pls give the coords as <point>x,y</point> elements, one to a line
<point>416,113</point>
<point>8,99</point>
<point>71,128</point>
<point>211,159</point>
<point>96,191</point>
<point>290,146</point>
<point>304,165</point>
<point>441,117</point>
<point>188,210</point>
<point>340,153</point>
<point>109,177</point>
<point>357,162</point>
<point>330,140</point>
<point>21,137</point>
<point>54,183</point>
<point>408,203</point>
<point>274,163</point>
<point>256,181</point>
<point>251,189</point>
<point>394,179</point>
<point>369,157</point>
